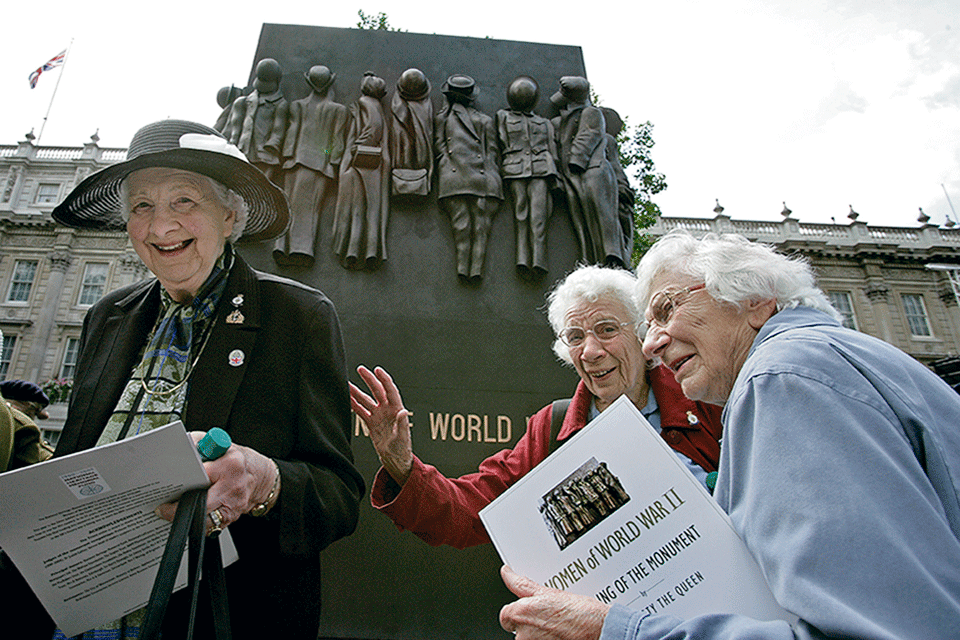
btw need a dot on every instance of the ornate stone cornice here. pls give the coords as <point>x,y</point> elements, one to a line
<point>887,245</point>
<point>10,183</point>
<point>876,292</point>
<point>60,260</point>
<point>130,262</point>
<point>947,296</point>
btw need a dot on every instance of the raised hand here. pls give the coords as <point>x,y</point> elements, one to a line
<point>386,420</point>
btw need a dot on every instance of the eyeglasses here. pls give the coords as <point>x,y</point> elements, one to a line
<point>604,331</point>
<point>664,303</point>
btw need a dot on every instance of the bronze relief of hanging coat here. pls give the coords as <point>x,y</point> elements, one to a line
<point>363,199</point>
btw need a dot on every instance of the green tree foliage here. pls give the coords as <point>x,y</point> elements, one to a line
<point>636,144</point>
<point>379,22</point>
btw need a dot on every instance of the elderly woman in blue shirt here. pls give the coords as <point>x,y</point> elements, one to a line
<point>839,466</point>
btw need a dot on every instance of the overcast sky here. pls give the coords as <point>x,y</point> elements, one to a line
<point>822,103</point>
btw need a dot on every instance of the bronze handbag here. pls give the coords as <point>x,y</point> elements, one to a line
<point>412,182</point>
<point>367,157</point>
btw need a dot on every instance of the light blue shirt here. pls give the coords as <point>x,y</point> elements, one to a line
<point>652,413</point>
<point>839,468</point>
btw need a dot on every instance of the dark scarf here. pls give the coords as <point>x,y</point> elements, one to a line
<point>156,393</point>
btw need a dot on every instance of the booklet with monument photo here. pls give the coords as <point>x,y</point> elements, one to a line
<point>614,514</point>
<point>82,529</point>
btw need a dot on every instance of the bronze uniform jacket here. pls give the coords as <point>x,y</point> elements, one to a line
<point>528,145</point>
<point>288,400</point>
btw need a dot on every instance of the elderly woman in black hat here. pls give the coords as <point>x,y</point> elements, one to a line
<point>213,343</point>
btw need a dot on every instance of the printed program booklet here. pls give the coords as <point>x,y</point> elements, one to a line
<point>82,531</point>
<point>614,514</point>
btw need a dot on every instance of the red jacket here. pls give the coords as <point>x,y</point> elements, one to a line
<point>442,510</point>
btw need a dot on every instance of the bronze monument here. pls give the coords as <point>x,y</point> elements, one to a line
<point>312,148</point>
<point>468,170</point>
<point>529,153</point>
<point>363,199</point>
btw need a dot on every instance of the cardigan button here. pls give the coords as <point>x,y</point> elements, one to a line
<point>672,436</point>
<point>711,481</point>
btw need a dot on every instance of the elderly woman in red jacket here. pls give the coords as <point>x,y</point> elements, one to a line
<point>599,330</point>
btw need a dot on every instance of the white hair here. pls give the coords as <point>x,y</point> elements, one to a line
<point>226,197</point>
<point>585,285</point>
<point>734,269</point>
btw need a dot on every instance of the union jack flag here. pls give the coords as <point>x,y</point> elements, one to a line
<point>52,63</point>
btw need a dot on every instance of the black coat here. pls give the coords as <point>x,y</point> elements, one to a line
<point>288,400</point>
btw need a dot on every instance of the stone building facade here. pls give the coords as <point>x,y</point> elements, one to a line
<point>899,284</point>
<point>51,275</point>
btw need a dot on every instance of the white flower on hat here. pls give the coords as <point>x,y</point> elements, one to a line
<point>210,142</point>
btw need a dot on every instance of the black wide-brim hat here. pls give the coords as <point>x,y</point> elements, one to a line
<point>178,144</point>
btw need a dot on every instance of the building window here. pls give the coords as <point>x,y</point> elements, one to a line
<point>24,272</point>
<point>916,314</point>
<point>70,358</point>
<point>94,282</point>
<point>48,193</point>
<point>6,355</point>
<point>841,302</point>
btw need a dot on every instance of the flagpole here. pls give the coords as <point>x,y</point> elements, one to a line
<point>63,69</point>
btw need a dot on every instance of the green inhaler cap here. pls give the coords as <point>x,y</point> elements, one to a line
<point>214,444</point>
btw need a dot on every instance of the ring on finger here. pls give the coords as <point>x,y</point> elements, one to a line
<point>217,518</point>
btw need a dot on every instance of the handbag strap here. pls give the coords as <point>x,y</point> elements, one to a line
<point>189,522</point>
<point>195,553</point>
<point>170,563</point>
<point>557,413</point>
<point>217,585</point>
